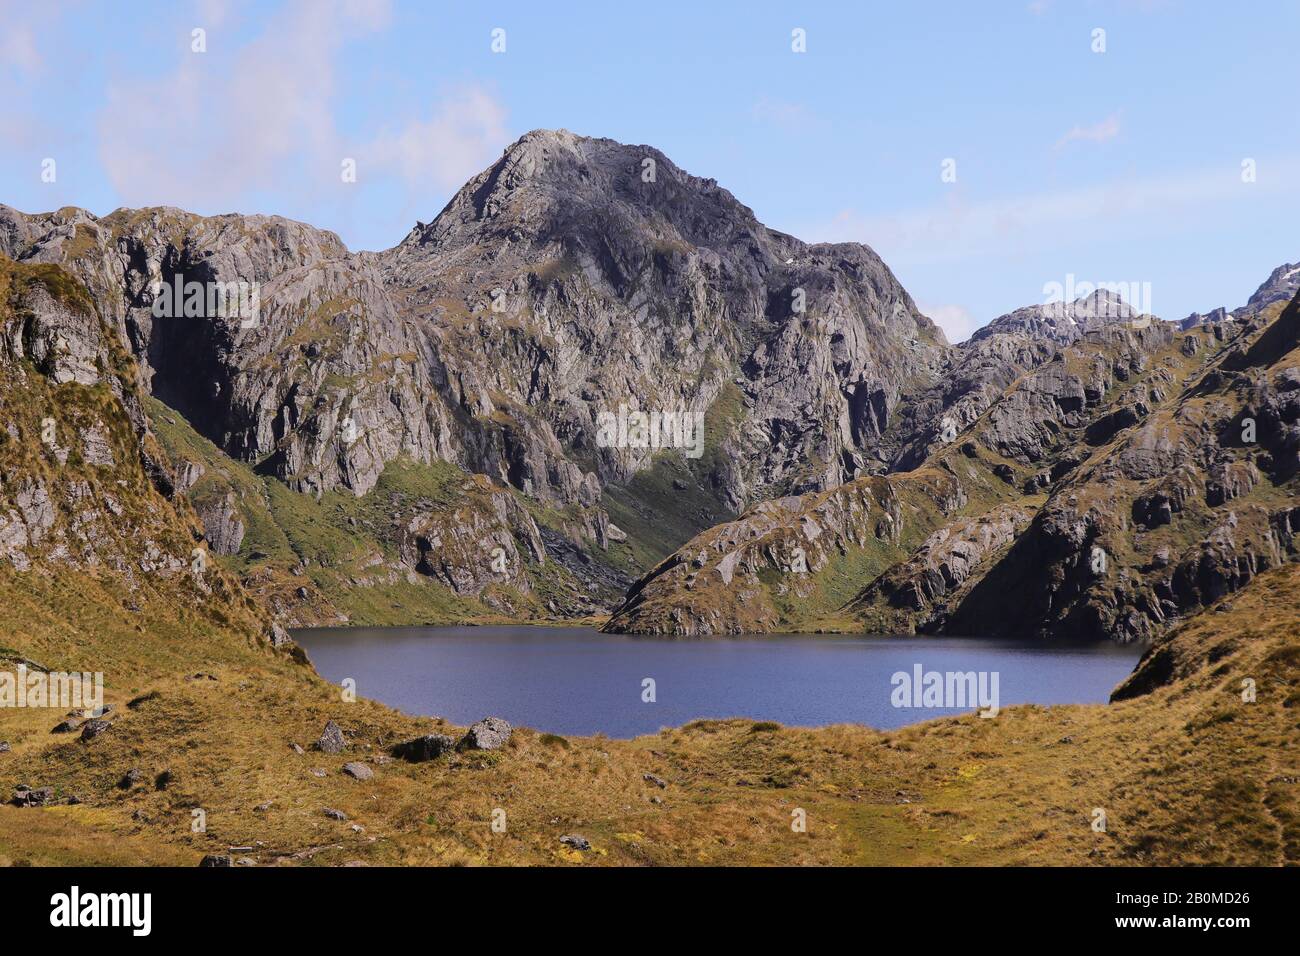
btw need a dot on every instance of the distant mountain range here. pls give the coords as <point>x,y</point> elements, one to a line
<point>595,383</point>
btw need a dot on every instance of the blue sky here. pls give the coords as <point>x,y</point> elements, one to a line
<point>1115,166</point>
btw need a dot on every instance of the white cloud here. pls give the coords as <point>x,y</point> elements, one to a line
<point>957,229</point>
<point>229,127</point>
<point>20,25</point>
<point>1100,132</point>
<point>956,321</point>
<point>18,49</point>
<point>462,136</point>
<point>222,126</point>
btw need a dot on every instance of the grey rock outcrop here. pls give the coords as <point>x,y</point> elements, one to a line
<point>428,747</point>
<point>331,740</point>
<point>490,733</point>
<point>221,523</point>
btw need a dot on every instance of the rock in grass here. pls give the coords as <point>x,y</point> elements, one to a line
<point>334,814</point>
<point>580,843</point>
<point>488,734</point>
<point>213,859</point>
<point>657,781</point>
<point>130,778</point>
<point>428,747</point>
<point>279,637</point>
<point>25,796</point>
<point>93,728</point>
<point>66,727</point>
<point>331,739</point>
<point>4,746</point>
<point>358,771</point>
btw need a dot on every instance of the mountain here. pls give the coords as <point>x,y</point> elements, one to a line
<point>153,530</point>
<point>596,382</point>
<point>1116,485</point>
<point>574,279</point>
<point>1282,285</point>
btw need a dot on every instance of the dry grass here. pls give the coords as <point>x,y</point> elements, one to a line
<point>1186,774</point>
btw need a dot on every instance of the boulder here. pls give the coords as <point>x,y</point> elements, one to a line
<point>130,778</point>
<point>25,796</point>
<point>279,637</point>
<point>358,771</point>
<point>215,860</point>
<point>428,747</point>
<point>331,739</point>
<point>93,728</point>
<point>580,843</point>
<point>488,734</point>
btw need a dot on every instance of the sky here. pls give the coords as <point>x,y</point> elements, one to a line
<point>986,151</point>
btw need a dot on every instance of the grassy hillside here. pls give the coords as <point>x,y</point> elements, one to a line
<point>1187,772</point>
<point>343,550</point>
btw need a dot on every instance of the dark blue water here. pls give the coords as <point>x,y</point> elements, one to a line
<point>578,681</point>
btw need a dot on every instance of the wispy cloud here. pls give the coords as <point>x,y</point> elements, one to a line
<point>1100,132</point>
<point>218,129</point>
<point>957,228</point>
<point>20,24</point>
<point>465,131</point>
<point>221,132</point>
<point>956,321</point>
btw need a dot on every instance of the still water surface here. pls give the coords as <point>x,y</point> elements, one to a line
<point>579,681</point>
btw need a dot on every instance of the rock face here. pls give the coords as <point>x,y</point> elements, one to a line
<point>574,277</point>
<point>1116,484</point>
<point>573,283</point>
<point>620,280</point>
<point>921,586</point>
<point>829,460</point>
<point>471,548</point>
<point>221,522</point>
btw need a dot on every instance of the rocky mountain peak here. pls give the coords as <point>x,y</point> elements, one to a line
<point>1281,285</point>
<point>1062,322</point>
<point>555,188</point>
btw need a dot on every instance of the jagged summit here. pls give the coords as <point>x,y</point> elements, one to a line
<point>554,186</point>
<point>1281,286</point>
<point>1062,322</point>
